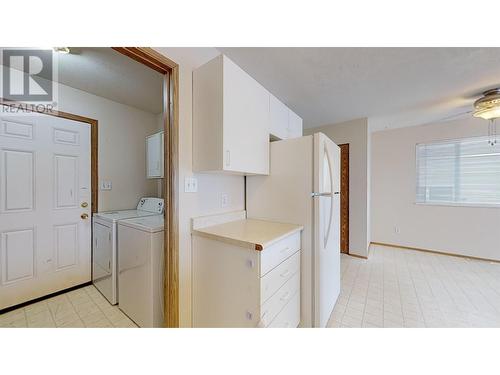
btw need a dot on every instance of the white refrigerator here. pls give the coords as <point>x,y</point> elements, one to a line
<point>304,188</point>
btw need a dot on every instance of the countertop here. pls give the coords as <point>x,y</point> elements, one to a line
<point>250,233</point>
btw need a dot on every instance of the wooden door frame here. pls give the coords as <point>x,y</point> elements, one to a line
<point>94,171</point>
<point>344,148</point>
<point>170,70</point>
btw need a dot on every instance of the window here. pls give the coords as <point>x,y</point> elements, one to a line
<point>462,172</point>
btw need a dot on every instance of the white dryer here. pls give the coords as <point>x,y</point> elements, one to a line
<point>140,266</point>
<point>104,244</point>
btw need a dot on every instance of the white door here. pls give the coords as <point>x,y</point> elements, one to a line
<point>44,182</point>
<point>327,227</point>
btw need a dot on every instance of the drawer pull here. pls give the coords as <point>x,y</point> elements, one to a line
<point>285,250</point>
<point>285,274</point>
<point>285,296</point>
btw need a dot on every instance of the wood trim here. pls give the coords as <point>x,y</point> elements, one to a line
<point>94,172</point>
<point>149,57</point>
<point>170,70</point>
<point>357,256</point>
<point>344,198</point>
<point>434,252</point>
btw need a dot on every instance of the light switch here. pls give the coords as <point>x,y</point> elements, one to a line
<point>190,185</point>
<point>106,185</point>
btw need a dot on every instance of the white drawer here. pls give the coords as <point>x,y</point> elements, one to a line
<point>275,278</point>
<point>275,304</point>
<point>289,317</point>
<point>277,253</point>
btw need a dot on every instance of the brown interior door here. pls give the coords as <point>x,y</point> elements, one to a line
<point>344,198</point>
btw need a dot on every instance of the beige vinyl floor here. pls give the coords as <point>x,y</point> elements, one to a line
<point>393,288</point>
<point>83,307</point>
<point>406,288</point>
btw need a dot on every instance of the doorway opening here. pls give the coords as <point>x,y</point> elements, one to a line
<point>67,130</point>
<point>170,71</point>
<point>344,198</point>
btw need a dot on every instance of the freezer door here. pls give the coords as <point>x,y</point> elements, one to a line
<point>326,227</point>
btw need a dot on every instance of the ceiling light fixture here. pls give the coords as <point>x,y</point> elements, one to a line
<point>488,107</point>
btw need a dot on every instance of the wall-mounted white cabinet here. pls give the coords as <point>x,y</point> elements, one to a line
<point>278,119</point>
<point>230,120</point>
<point>154,155</point>
<point>283,122</point>
<point>294,125</point>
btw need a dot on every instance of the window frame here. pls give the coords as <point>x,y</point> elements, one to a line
<point>444,203</point>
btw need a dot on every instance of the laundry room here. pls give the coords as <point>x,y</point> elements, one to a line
<point>97,158</point>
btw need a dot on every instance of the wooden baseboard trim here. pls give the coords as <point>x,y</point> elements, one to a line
<point>357,256</point>
<point>434,252</point>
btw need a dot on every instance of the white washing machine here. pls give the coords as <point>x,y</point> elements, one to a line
<point>140,270</point>
<point>104,244</point>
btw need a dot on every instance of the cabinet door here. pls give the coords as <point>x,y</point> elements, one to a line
<point>246,122</point>
<point>294,125</point>
<point>154,152</point>
<point>278,119</point>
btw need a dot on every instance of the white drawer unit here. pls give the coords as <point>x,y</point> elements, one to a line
<point>246,273</point>
<point>288,317</point>
<point>278,252</point>
<point>275,279</point>
<point>273,306</point>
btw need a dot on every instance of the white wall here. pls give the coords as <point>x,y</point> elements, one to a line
<point>471,231</point>
<point>355,133</point>
<point>122,147</point>
<point>210,186</point>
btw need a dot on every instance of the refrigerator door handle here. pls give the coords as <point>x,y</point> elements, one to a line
<point>323,194</point>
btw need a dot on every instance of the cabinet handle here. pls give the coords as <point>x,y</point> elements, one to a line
<point>285,274</point>
<point>285,250</point>
<point>285,296</point>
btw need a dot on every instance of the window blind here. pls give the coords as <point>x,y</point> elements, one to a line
<point>462,171</point>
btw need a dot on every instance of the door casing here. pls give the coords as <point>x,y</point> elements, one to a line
<point>170,71</point>
<point>344,198</point>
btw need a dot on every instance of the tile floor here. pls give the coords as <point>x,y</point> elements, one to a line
<point>406,288</point>
<point>84,307</point>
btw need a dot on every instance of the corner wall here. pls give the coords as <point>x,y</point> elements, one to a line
<point>355,133</point>
<point>210,186</point>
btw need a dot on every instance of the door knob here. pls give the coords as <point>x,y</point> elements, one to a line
<point>84,216</point>
<point>84,204</point>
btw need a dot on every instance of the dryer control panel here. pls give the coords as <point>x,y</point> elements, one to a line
<point>151,205</point>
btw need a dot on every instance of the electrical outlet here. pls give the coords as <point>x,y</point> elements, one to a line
<point>106,185</point>
<point>396,229</point>
<point>224,200</point>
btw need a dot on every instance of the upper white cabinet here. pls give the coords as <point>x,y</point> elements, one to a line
<point>294,125</point>
<point>154,155</point>
<point>230,120</point>
<point>278,119</point>
<point>283,122</point>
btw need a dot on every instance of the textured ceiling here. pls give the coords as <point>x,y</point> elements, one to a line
<point>393,87</point>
